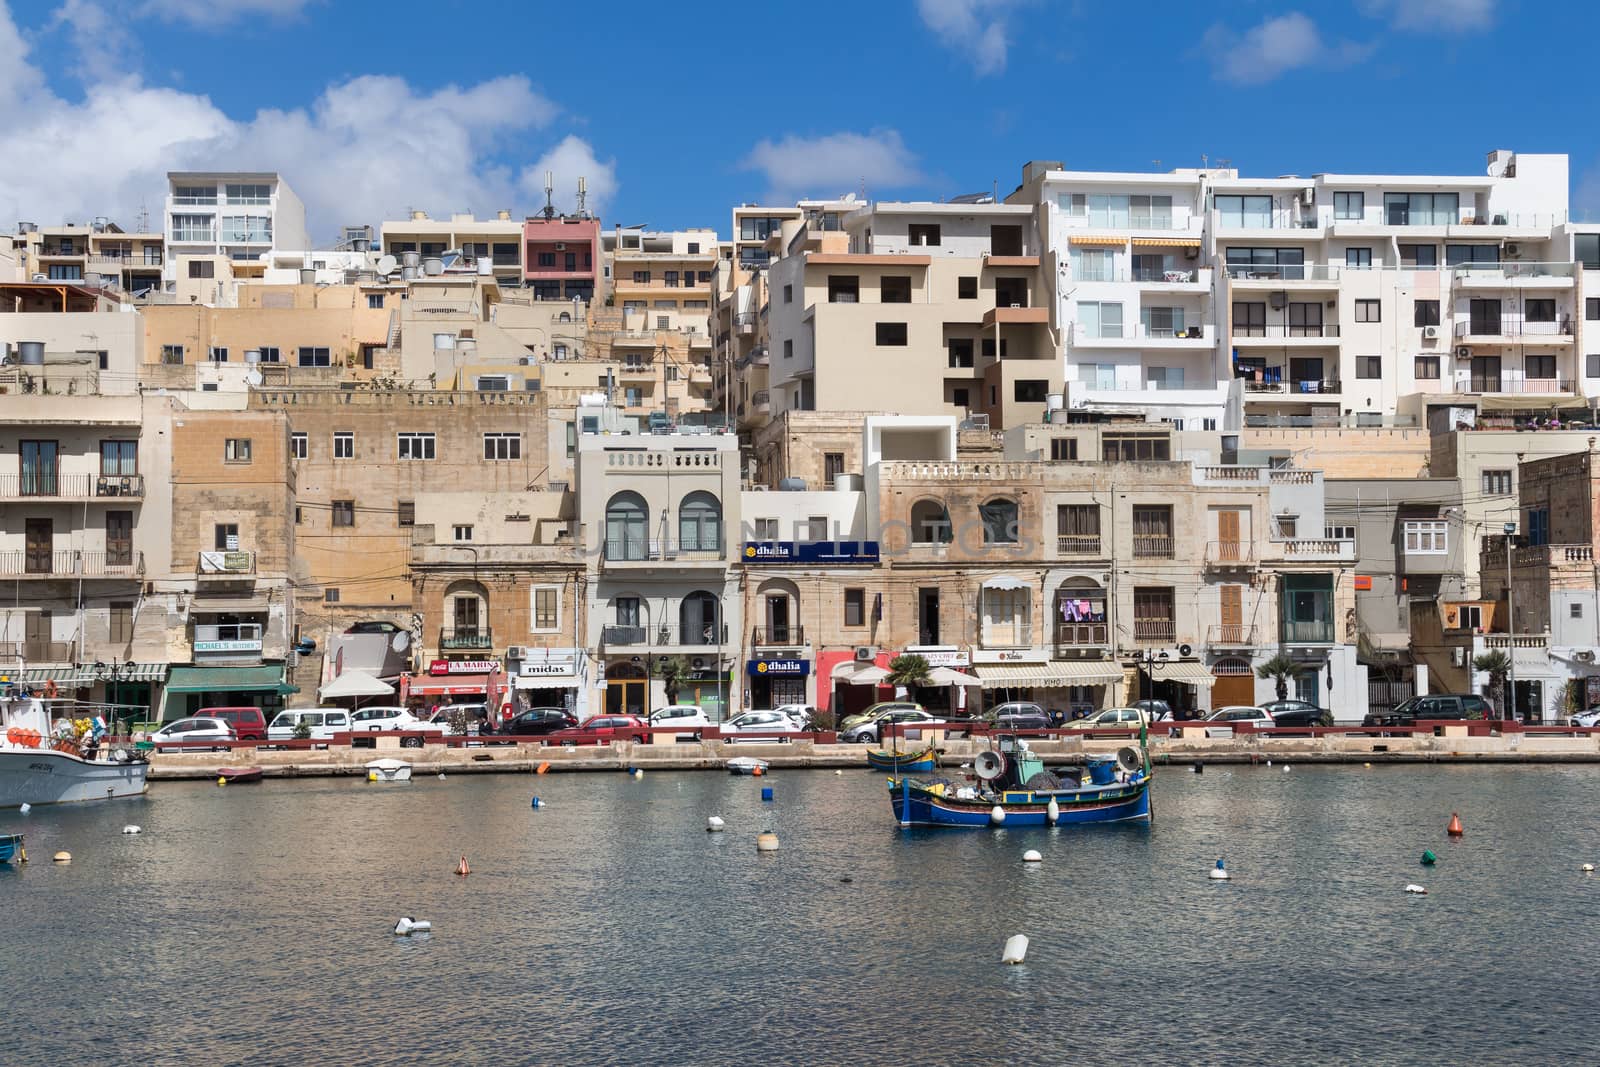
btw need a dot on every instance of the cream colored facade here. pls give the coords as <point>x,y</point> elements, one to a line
<point>494,244</point>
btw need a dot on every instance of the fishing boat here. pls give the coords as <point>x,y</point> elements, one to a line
<point>918,762</point>
<point>747,765</point>
<point>11,848</point>
<point>39,766</point>
<point>1013,788</point>
<point>240,775</point>
<point>389,770</point>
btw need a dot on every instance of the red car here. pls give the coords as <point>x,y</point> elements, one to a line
<point>603,728</point>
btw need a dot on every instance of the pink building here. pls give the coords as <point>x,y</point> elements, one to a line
<point>563,257</point>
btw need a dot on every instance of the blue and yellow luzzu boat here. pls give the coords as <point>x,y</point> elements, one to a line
<point>1014,789</point>
<point>919,762</point>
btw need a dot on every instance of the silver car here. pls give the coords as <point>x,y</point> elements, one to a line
<point>197,728</point>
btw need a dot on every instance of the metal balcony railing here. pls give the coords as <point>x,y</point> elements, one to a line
<point>1152,546</point>
<point>71,563</point>
<point>1153,630</point>
<point>457,638</point>
<point>709,635</point>
<point>778,636</point>
<point>1078,544</point>
<point>639,551</point>
<point>73,486</point>
<point>1229,553</point>
<point>1231,635</point>
<point>1284,329</point>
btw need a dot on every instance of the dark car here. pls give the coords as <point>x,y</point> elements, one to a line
<point>1157,710</point>
<point>1021,715</point>
<point>1298,713</point>
<point>535,722</point>
<point>1429,708</point>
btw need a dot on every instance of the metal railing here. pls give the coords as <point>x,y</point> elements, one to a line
<point>1231,635</point>
<point>761,398</point>
<point>778,636</point>
<point>1504,384</point>
<point>1149,630</point>
<point>1515,326</point>
<point>466,637</point>
<point>630,551</point>
<point>1229,552</point>
<point>71,563</point>
<point>1152,546</point>
<point>1083,635</point>
<point>76,486</point>
<point>1284,329</point>
<point>1289,272</point>
<point>706,636</point>
<point>1078,544</point>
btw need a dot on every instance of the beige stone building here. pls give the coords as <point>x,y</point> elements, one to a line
<point>492,246</point>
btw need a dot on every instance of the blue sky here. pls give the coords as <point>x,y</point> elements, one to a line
<point>676,112</point>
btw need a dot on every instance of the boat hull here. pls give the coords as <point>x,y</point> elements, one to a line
<point>43,776</point>
<point>915,806</point>
<point>747,765</point>
<point>240,775</point>
<point>385,770</point>
<point>905,763</point>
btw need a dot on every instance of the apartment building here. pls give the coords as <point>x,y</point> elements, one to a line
<point>487,246</point>
<point>939,306</point>
<point>64,338</point>
<point>660,515</point>
<point>96,254</point>
<point>561,257</point>
<point>233,216</point>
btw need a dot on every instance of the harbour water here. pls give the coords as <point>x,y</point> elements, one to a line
<point>252,924</point>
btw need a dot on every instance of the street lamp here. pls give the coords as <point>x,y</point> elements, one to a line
<point>113,674</point>
<point>1510,529</point>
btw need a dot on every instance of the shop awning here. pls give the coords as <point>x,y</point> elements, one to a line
<point>227,680</point>
<point>1005,581</point>
<point>143,672</point>
<point>356,684</point>
<point>64,677</point>
<point>1166,242</point>
<point>227,605</point>
<point>1053,675</point>
<point>946,676</point>
<point>859,674</point>
<point>1099,242</point>
<point>449,684</point>
<point>1187,671</point>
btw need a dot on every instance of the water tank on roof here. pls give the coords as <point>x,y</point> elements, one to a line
<point>1055,401</point>
<point>411,259</point>
<point>485,266</point>
<point>30,353</point>
<point>408,273</point>
<point>308,276</point>
<point>847,483</point>
<point>791,485</point>
<point>433,266</point>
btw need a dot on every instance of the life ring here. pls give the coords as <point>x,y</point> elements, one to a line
<point>50,689</point>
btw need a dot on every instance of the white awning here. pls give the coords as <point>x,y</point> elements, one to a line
<point>1056,674</point>
<point>356,684</point>
<point>1187,671</point>
<point>859,674</point>
<point>1005,581</point>
<point>946,676</point>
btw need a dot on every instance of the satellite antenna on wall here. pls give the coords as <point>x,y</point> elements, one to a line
<point>386,265</point>
<point>253,379</point>
<point>583,195</point>
<point>549,188</point>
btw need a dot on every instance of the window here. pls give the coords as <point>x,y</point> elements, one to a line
<point>1540,310</point>
<point>670,278</point>
<point>1078,528</point>
<point>104,360</point>
<point>1030,390</point>
<point>960,398</point>
<point>375,301</point>
<point>967,287</point>
<point>248,194</point>
<point>1349,207</point>
<point>1164,378</point>
<point>640,277</point>
<point>314,357</point>
<point>498,446</point>
<point>344,444</point>
<point>344,512</point>
<point>788,294</point>
<point>891,333</point>
<point>297,445</point>
<point>1250,318</point>
<point>855,607</point>
<point>216,354</point>
<point>330,596</point>
<point>1152,531</point>
<point>1496,483</point>
<point>1427,536</point>
<point>1305,319</point>
<point>202,268</point>
<point>546,608</point>
<point>299,514</point>
<point>1427,368</point>
<point>999,521</point>
<point>930,523</point>
<point>1358,258</point>
<point>700,523</point>
<point>1591,308</point>
<point>1100,319</point>
<point>1339,533</point>
<point>1132,447</point>
<point>461,532</point>
<point>1419,257</point>
<point>1591,366</point>
<point>269,354</point>
<point>832,467</point>
<point>1369,366</point>
<point>1063,448</point>
<point>1468,255</point>
<point>415,445</point>
<point>1267,263</point>
<point>1369,311</point>
<point>1540,367</point>
<point>987,347</point>
<point>120,618</point>
<point>1239,212</point>
<point>494,383</point>
<point>1162,321</point>
<point>1586,249</point>
<point>1006,616</point>
<point>1421,209</point>
<point>923,233</point>
<point>895,289</point>
<point>1425,313</point>
<point>844,289</point>
<point>788,348</point>
<point>225,537</point>
<point>236,450</point>
<point>960,352</point>
<point>1575,609</point>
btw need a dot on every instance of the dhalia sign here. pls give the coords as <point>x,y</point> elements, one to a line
<point>463,666</point>
<point>778,668</point>
<point>810,552</point>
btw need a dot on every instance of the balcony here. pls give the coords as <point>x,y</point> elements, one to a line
<point>1152,546</point>
<point>1297,388</point>
<point>1306,632</point>
<point>228,638</point>
<point>52,486</point>
<point>70,563</point>
<point>1223,555</point>
<point>1231,635</point>
<point>1513,275</point>
<point>194,237</point>
<point>1010,316</point>
<point>761,402</point>
<point>778,636</point>
<point>1141,335</point>
<point>1155,631</point>
<point>1287,276</point>
<point>1316,550</point>
<point>640,553</point>
<point>1078,636</point>
<point>664,637</point>
<point>1078,545</point>
<point>1515,329</point>
<point>465,638</point>
<point>1012,634</point>
<point>1515,386</point>
<point>1494,555</point>
<point>1284,335</point>
<point>38,653</point>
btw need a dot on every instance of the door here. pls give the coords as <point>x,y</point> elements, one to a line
<point>39,535</point>
<point>465,609</point>
<point>778,619</point>
<point>625,697</point>
<point>37,635</point>
<point>1484,318</point>
<point>1232,618</point>
<point>119,539</point>
<point>39,468</point>
<point>1232,689</point>
<point>1228,539</point>
<point>928,616</point>
<point>1486,374</point>
<point>1306,375</point>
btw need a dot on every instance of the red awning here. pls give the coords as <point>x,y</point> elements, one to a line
<point>449,684</point>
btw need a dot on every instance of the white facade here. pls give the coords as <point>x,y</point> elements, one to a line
<point>242,216</point>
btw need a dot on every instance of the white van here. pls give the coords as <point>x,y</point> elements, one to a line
<point>323,722</point>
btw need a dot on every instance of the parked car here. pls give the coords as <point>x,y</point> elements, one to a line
<point>872,711</point>
<point>1437,706</point>
<point>381,717</point>
<point>804,716</point>
<point>1112,719</point>
<point>872,732</point>
<point>248,724</point>
<point>1021,715</point>
<point>476,715</point>
<point>1156,710</point>
<point>1230,714</point>
<point>195,728</point>
<point>608,728</point>
<point>1298,713</point>
<point>1585,718</point>
<point>536,722</point>
<point>760,722</point>
<point>322,722</point>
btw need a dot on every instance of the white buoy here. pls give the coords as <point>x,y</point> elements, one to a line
<point>1416,889</point>
<point>62,857</point>
<point>1032,856</point>
<point>997,815</point>
<point>408,926</point>
<point>131,829</point>
<point>714,824</point>
<point>1219,873</point>
<point>767,842</point>
<point>1016,949</point>
<point>1587,868</point>
<point>25,808</point>
<point>638,772</point>
<point>441,776</point>
<point>1286,770</point>
<point>1269,763</point>
<point>836,770</point>
<point>1052,811</point>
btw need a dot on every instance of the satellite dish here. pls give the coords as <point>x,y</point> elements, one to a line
<point>386,264</point>
<point>400,641</point>
<point>253,378</point>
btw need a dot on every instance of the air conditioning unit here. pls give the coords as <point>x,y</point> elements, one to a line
<point>1513,250</point>
<point>1430,333</point>
<point>1463,352</point>
<point>1308,196</point>
<point>517,652</point>
<point>1278,300</point>
<point>866,653</point>
<point>1187,650</point>
<point>561,246</point>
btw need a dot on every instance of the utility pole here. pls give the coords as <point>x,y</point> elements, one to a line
<point>1511,619</point>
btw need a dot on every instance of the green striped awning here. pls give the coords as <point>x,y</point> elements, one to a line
<point>228,679</point>
<point>64,677</point>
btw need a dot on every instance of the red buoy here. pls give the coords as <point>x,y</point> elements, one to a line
<point>1455,825</point>
<point>462,868</point>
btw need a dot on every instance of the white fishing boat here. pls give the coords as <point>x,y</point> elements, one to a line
<point>389,770</point>
<point>747,765</point>
<point>39,767</point>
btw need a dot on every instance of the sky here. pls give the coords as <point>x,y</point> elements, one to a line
<point>676,112</point>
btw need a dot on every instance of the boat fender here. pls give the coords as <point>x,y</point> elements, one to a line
<point>62,857</point>
<point>131,829</point>
<point>767,842</point>
<point>1219,873</point>
<point>997,815</point>
<point>1428,858</point>
<point>408,926</point>
<point>536,804</point>
<point>1416,890</point>
<point>544,768</point>
<point>1587,868</point>
<point>714,824</point>
<point>1286,770</point>
<point>1016,949</point>
<point>222,781</point>
<point>25,808</point>
<point>1032,856</point>
<point>372,776</point>
<point>1052,810</point>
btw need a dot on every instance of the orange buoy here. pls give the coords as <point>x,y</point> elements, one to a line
<point>462,869</point>
<point>14,735</point>
<point>1455,826</point>
<point>755,772</point>
<point>543,767</point>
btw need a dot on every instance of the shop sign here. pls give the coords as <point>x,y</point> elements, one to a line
<point>1009,655</point>
<point>810,552</point>
<point>227,646</point>
<point>940,655</point>
<point>463,666</point>
<point>778,668</point>
<point>549,662</point>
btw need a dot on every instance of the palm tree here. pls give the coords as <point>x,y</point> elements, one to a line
<point>1279,669</point>
<point>1496,664</point>
<point>908,670</point>
<point>673,672</point>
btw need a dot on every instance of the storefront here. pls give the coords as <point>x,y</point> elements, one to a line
<point>549,678</point>
<point>1067,688</point>
<point>634,686</point>
<point>1185,684</point>
<point>191,688</point>
<point>478,681</point>
<point>951,687</point>
<point>852,684</point>
<point>774,682</point>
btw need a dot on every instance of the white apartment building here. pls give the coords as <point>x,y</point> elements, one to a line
<point>489,246</point>
<point>235,216</point>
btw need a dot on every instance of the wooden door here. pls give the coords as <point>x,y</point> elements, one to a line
<point>1232,689</point>
<point>1232,613</point>
<point>39,535</point>
<point>1228,536</point>
<point>119,538</point>
<point>37,635</point>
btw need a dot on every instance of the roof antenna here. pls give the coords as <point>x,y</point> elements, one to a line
<point>583,195</point>
<point>549,188</point>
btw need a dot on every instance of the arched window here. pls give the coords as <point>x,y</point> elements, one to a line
<point>627,527</point>
<point>698,620</point>
<point>564,317</point>
<point>700,523</point>
<point>999,521</point>
<point>930,523</point>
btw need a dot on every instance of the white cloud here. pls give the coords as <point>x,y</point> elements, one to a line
<point>102,41</point>
<point>834,164</point>
<point>213,13</point>
<point>1442,16</point>
<point>568,161</point>
<point>1274,47</point>
<point>365,150</point>
<point>975,28</point>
